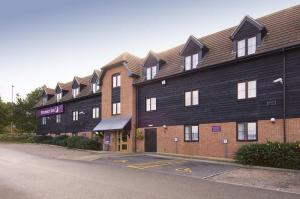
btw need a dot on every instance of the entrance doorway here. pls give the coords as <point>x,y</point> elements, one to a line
<point>122,141</point>
<point>150,140</point>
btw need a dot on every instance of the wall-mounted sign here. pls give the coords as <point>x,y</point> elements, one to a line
<point>216,129</point>
<point>51,110</point>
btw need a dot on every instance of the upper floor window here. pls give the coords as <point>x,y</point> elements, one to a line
<point>116,79</point>
<point>116,108</point>
<point>191,133</point>
<point>151,104</point>
<point>75,92</point>
<point>58,96</point>
<point>45,100</point>
<point>246,46</point>
<point>151,72</point>
<point>247,131</point>
<point>95,87</point>
<point>75,115</point>
<point>246,90</point>
<point>44,120</point>
<point>58,118</point>
<point>95,112</point>
<point>191,62</point>
<point>192,98</point>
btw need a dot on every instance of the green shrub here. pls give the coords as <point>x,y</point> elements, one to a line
<point>42,139</point>
<point>60,140</point>
<point>15,138</point>
<point>280,155</point>
<point>82,143</point>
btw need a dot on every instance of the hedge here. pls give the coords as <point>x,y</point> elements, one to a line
<point>280,155</point>
<point>82,143</point>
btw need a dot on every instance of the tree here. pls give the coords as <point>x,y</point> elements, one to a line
<point>4,115</point>
<point>24,117</point>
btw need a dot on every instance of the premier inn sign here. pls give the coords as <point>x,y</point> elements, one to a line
<point>51,110</point>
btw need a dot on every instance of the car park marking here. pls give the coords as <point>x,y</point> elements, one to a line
<point>147,165</point>
<point>120,161</point>
<point>184,170</point>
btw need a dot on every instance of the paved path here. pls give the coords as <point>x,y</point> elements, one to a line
<point>24,174</point>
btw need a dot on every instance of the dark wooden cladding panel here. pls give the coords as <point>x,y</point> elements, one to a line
<point>218,93</point>
<point>246,31</point>
<point>67,125</point>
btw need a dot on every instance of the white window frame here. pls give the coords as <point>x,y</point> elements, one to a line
<point>241,48</point>
<point>58,118</point>
<point>151,104</point>
<point>45,99</point>
<point>58,96</point>
<point>75,92</point>
<point>116,80</point>
<point>191,61</point>
<point>247,90</point>
<point>244,129</point>
<point>95,87</point>
<point>116,108</point>
<point>75,115</point>
<point>191,98</point>
<point>251,45</point>
<point>191,133</point>
<point>151,72</point>
<point>44,120</point>
<point>96,111</point>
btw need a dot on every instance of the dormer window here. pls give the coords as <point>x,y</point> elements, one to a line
<point>246,47</point>
<point>45,99</point>
<point>58,96</point>
<point>75,92</point>
<point>151,72</point>
<point>95,87</point>
<point>191,62</point>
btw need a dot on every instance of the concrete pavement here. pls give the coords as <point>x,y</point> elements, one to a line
<point>28,175</point>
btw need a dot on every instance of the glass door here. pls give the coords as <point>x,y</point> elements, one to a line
<point>122,141</point>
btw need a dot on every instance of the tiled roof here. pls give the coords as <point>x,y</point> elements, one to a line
<point>85,91</point>
<point>133,62</point>
<point>283,31</point>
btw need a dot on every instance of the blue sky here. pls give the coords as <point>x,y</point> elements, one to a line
<point>50,41</point>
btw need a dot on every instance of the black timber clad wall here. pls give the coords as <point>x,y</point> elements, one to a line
<point>85,122</point>
<point>218,93</point>
<point>247,30</point>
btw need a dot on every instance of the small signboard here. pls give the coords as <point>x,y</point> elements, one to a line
<point>51,110</point>
<point>216,129</point>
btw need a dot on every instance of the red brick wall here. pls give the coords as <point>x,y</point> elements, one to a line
<point>211,144</point>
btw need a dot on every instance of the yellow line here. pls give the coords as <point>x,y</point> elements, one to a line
<point>154,164</point>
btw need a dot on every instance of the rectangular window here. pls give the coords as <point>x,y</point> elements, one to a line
<point>58,118</point>
<point>195,60</point>
<point>75,115</point>
<point>95,87</point>
<point>116,108</point>
<point>241,48</point>
<point>247,131</point>
<point>116,80</point>
<point>75,92</point>
<point>191,98</point>
<point>151,72</point>
<point>188,63</point>
<point>45,100</point>
<point>95,112</point>
<point>151,104</point>
<point>246,90</point>
<point>251,45</point>
<point>191,133</point>
<point>58,96</point>
<point>44,120</point>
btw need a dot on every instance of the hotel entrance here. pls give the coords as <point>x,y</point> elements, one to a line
<point>122,141</point>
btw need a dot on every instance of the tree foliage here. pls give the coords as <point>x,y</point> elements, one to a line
<point>5,115</point>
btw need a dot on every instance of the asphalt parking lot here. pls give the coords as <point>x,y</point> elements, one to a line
<point>183,167</point>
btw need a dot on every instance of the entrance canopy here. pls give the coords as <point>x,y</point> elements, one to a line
<point>114,123</point>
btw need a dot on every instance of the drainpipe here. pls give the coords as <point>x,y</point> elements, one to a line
<point>284,94</point>
<point>136,114</point>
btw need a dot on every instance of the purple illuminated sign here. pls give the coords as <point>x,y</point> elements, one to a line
<point>51,110</point>
<point>216,129</point>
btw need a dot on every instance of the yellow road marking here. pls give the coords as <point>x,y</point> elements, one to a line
<point>120,161</point>
<point>184,170</point>
<point>147,165</point>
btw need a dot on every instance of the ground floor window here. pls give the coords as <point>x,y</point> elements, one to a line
<point>96,112</point>
<point>75,115</point>
<point>191,133</point>
<point>246,131</point>
<point>44,120</point>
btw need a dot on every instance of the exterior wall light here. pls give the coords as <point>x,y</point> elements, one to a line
<point>273,120</point>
